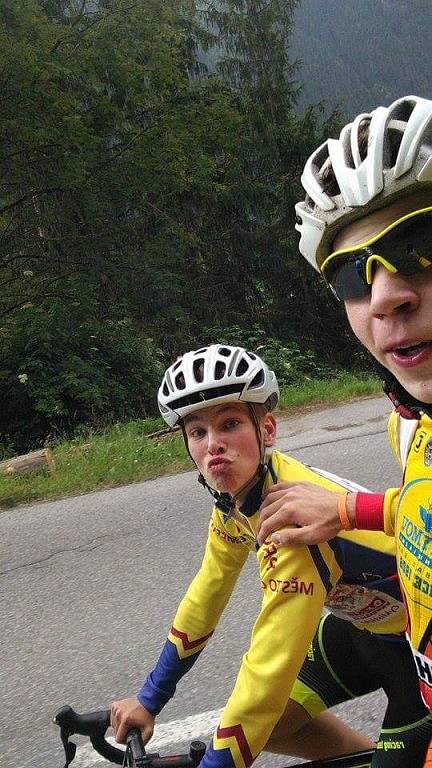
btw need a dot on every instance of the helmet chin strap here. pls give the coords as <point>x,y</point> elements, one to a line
<point>224,501</point>
<point>398,395</point>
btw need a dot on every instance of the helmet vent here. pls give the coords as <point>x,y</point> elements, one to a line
<point>225,352</point>
<point>257,381</point>
<point>242,367</point>
<point>403,111</point>
<point>180,381</point>
<point>198,370</point>
<point>165,389</point>
<point>220,369</point>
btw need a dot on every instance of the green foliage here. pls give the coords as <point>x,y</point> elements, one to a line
<point>290,363</point>
<point>135,184</point>
<point>63,368</point>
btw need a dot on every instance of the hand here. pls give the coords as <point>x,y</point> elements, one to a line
<point>127,714</point>
<point>304,504</point>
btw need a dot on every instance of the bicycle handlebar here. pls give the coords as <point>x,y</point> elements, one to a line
<point>95,724</point>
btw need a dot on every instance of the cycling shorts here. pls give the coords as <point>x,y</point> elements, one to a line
<point>344,662</point>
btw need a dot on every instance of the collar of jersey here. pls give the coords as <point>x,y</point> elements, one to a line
<point>253,499</point>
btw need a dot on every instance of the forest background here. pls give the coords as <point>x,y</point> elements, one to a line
<point>151,152</point>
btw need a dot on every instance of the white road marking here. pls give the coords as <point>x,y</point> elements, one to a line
<point>199,726</point>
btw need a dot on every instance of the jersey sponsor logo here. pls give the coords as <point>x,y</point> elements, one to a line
<point>419,440</point>
<point>227,537</point>
<point>428,453</point>
<point>360,605</point>
<point>424,671</point>
<point>414,538</point>
<point>270,554</point>
<point>426,516</point>
<point>389,744</point>
<point>293,586</point>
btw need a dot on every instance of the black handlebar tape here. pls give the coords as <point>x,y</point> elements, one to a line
<point>92,724</point>
<point>88,724</point>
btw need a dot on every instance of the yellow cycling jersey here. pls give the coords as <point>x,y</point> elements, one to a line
<point>408,516</point>
<point>354,574</point>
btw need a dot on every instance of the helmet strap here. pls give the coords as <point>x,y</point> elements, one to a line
<point>404,403</point>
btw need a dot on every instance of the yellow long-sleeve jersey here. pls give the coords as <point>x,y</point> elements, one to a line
<point>408,517</point>
<point>354,574</point>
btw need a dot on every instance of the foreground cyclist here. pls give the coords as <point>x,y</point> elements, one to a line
<point>222,398</point>
<point>366,225</point>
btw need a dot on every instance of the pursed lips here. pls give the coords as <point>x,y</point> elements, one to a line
<point>219,461</point>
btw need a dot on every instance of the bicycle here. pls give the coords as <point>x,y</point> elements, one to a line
<point>95,724</point>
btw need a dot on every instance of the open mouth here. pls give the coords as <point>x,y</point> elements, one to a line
<point>413,350</point>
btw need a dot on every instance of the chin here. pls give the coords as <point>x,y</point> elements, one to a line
<point>422,391</point>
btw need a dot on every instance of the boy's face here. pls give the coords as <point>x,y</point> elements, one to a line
<point>223,443</point>
<point>394,322</point>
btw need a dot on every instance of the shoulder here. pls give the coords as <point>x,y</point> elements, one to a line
<point>288,468</point>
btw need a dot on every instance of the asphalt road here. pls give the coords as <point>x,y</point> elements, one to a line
<point>89,586</point>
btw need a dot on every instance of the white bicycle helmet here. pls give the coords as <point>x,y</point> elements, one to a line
<point>398,162</point>
<point>212,375</point>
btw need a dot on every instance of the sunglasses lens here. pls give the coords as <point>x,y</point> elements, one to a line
<point>347,281</point>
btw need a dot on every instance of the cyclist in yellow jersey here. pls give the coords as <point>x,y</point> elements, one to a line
<point>366,226</point>
<point>223,397</point>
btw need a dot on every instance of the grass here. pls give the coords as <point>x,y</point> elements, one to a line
<point>124,453</point>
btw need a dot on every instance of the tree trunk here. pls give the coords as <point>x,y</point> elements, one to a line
<point>36,461</point>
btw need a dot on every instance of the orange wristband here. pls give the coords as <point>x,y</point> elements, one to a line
<point>343,512</point>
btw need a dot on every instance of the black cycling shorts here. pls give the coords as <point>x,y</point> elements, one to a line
<point>344,662</point>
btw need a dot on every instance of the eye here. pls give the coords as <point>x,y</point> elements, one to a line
<point>232,423</point>
<point>197,433</point>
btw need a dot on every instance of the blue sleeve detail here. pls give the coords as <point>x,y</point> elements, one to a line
<point>217,758</point>
<point>160,684</point>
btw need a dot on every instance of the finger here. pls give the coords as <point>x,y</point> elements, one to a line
<point>120,733</point>
<point>277,486</point>
<point>270,509</point>
<point>272,518</point>
<point>147,733</point>
<point>113,716</point>
<point>276,491</point>
<point>279,519</point>
<point>296,536</point>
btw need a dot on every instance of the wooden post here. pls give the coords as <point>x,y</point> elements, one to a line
<point>36,461</point>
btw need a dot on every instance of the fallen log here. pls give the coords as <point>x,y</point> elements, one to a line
<point>161,433</point>
<point>36,461</point>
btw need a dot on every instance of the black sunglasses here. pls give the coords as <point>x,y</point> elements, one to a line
<point>404,246</point>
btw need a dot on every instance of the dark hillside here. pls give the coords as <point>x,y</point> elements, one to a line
<point>363,52</point>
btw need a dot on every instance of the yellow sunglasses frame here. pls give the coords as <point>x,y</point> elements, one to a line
<point>375,257</point>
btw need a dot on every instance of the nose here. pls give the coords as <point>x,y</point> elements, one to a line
<point>214,441</point>
<point>392,293</point>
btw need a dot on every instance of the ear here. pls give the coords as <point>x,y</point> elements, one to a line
<point>269,428</point>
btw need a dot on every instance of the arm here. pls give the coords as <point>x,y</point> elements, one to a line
<point>313,511</point>
<point>197,615</point>
<point>293,597</point>
<point>194,623</point>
